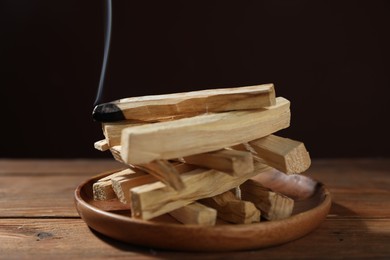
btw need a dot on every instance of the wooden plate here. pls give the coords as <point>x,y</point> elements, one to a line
<point>164,232</point>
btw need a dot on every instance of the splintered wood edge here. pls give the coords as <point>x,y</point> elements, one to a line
<point>284,154</point>
<point>101,145</point>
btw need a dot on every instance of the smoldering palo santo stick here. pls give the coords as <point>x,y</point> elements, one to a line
<point>154,107</point>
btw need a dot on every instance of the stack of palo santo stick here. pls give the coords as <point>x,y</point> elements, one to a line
<point>203,157</point>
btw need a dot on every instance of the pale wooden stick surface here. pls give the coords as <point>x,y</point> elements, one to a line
<point>102,189</point>
<point>116,153</point>
<point>197,102</point>
<point>195,214</point>
<point>113,131</point>
<point>231,209</point>
<point>232,162</point>
<point>205,133</point>
<point>151,200</point>
<point>165,172</point>
<point>228,161</point>
<point>284,154</point>
<point>273,205</point>
<point>101,145</point>
<point>122,185</point>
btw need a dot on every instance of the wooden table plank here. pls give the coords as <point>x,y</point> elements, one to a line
<point>360,203</point>
<point>38,196</point>
<point>59,167</point>
<point>352,173</point>
<point>70,238</point>
<point>359,187</point>
<point>44,188</point>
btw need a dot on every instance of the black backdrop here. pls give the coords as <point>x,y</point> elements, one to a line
<point>331,59</point>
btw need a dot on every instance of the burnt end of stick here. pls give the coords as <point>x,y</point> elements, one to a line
<point>107,112</point>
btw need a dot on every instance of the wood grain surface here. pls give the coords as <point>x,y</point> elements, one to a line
<point>38,218</point>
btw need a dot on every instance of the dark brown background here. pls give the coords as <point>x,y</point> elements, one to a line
<point>331,59</point>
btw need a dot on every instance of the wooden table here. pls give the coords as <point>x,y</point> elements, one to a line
<point>38,219</point>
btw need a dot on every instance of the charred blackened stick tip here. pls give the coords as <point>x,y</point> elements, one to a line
<point>107,112</point>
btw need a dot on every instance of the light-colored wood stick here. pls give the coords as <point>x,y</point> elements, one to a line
<point>183,167</point>
<point>284,154</point>
<point>273,205</point>
<point>151,200</point>
<point>165,172</point>
<point>122,185</point>
<point>101,145</point>
<point>232,209</point>
<point>195,214</point>
<point>156,107</point>
<point>228,161</point>
<point>116,153</point>
<point>113,131</point>
<point>179,166</point>
<point>205,133</point>
<point>102,189</point>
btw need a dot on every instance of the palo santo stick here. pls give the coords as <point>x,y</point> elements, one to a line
<point>205,133</point>
<point>273,205</point>
<point>122,185</point>
<point>233,210</point>
<point>116,153</point>
<point>284,154</point>
<point>102,189</point>
<point>101,145</point>
<point>179,166</point>
<point>195,214</point>
<point>228,161</point>
<point>156,107</point>
<point>165,172</point>
<point>113,131</point>
<point>151,200</point>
